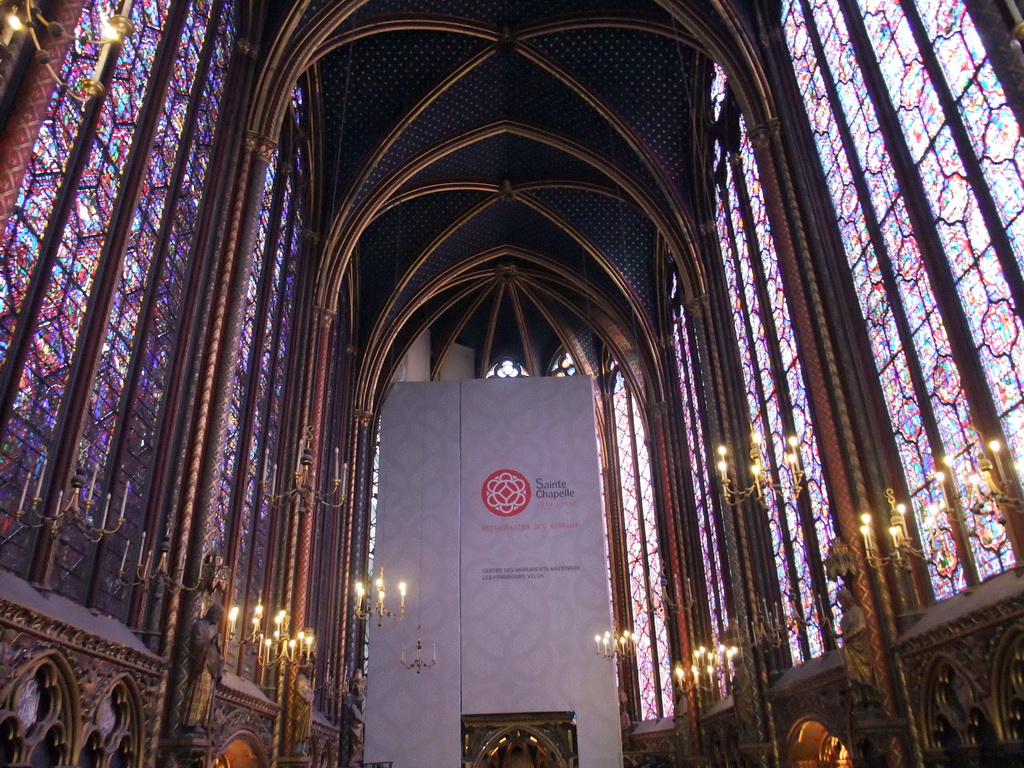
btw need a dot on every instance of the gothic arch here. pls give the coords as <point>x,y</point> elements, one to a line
<point>41,709</point>
<point>241,749</point>
<point>117,726</point>
<point>1008,685</point>
<point>524,737</point>
<point>811,743</point>
<point>955,711</point>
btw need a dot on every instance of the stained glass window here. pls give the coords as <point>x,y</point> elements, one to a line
<point>230,458</point>
<point>781,427</point>
<point>141,317</point>
<point>958,134</point>
<point>506,369</point>
<point>644,565</point>
<point>708,523</point>
<point>563,365</point>
<point>79,243</point>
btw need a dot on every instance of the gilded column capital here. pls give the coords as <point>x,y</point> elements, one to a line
<point>762,135</point>
<point>698,305</point>
<point>246,48</point>
<point>261,145</point>
<point>325,314</point>
<point>708,228</point>
<point>363,418</point>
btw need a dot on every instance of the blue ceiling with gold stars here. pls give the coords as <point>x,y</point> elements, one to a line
<point>505,172</point>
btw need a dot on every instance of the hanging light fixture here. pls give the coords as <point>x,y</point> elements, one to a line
<point>23,18</point>
<point>77,505</point>
<point>611,646</point>
<point>379,609</point>
<point>762,478</point>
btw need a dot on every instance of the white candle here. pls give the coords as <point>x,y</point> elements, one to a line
<point>92,483</point>
<point>124,501</point>
<point>124,559</point>
<point>337,465</point>
<point>142,546</point>
<point>106,509</point>
<point>434,661</point>
<point>273,478</point>
<point>403,654</point>
<point>42,471</point>
<point>24,493</point>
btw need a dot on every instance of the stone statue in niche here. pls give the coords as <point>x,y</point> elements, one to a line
<point>856,652</point>
<point>206,665</point>
<point>356,704</point>
<point>302,714</point>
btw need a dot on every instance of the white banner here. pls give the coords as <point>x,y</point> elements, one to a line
<point>534,574</point>
<point>414,719</point>
<point>514,576</point>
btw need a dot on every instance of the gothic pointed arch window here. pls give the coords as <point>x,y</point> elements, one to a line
<point>562,364</point>
<point>645,612</point>
<point>258,453</point>
<point>800,528</point>
<point>97,253</point>
<point>922,156</point>
<point>689,366</point>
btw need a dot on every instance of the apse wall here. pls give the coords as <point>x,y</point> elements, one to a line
<point>502,477</point>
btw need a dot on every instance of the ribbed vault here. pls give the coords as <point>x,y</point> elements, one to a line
<point>512,175</point>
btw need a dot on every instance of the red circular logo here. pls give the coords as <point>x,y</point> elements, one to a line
<point>505,493</point>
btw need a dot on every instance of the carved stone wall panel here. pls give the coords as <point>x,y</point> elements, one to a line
<point>92,667</point>
<point>237,714</point>
<point>957,676</point>
<point>824,699</point>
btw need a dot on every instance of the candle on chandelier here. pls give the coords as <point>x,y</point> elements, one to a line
<point>42,471</point>
<point>124,559</point>
<point>865,530</point>
<point>92,484</point>
<point>401,592</point>
<point>997,452</point>
<point>124,502</point>
<point>24,493</point>
<point>106,509</point>
<point>940,478</point>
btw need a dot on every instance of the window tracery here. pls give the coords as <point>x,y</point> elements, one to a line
<point>60,249</point>
<point>644,567</point>
<point>957,156</point>
<point>506,369</point>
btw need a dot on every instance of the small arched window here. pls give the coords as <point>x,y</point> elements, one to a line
<point>562,365</point>
<point>506,369</point>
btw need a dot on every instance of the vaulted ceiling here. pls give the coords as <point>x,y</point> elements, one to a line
<point>507,173</point>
